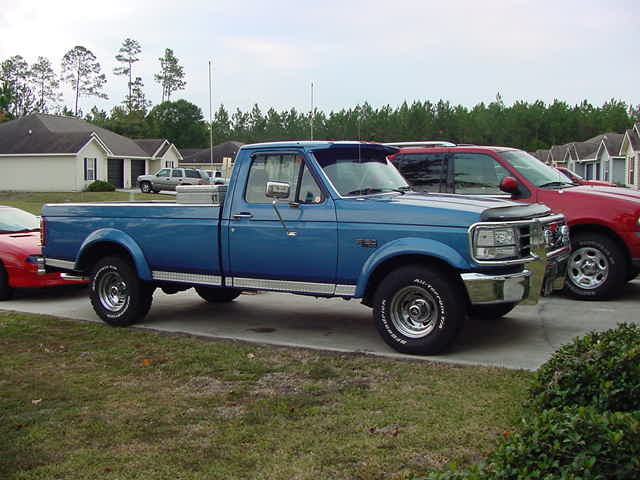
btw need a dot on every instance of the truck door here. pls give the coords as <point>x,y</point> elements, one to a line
<point>261,253</point>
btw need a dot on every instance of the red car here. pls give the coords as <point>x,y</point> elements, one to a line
<point>20,253</point>
<point>604,221</point>
<point>575,178</point>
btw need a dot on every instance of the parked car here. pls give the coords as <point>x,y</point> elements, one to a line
<point>170,178</point>
<point>575,178</point>
<point>604,221</point>
<point>20,253</point>
<point>216,178</point>
<point>328,219</point>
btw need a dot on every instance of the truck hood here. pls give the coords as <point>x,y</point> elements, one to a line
<point>436,209</point>
<point>596,191</point>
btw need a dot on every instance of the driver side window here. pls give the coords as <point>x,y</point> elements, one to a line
<point>289,168</point>
<point>477,174</point>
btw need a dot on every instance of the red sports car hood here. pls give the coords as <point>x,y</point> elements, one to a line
<point>27,243</point>
<point>591,191</point>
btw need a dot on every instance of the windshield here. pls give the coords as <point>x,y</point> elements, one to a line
<point>535,171</point>
<point>13,220</point>
<point>360,171</point>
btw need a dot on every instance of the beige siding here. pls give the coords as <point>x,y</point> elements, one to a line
<point>39,174</point>
<point>90,150</point>
<point>170,156</point>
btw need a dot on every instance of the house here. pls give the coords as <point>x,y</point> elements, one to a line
<point>42,152</point>
<point>630,151</point>
<point>608,159</point>
<point>203,157</point>
<point>557,155</point>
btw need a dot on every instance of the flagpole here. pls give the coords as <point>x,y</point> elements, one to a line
<point>210,118</point>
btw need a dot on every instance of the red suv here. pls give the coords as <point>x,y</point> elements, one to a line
<point>604,221</point>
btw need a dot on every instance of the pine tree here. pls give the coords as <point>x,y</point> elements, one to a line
<point>15,73</point>
<point>171,76</point>
<point>46,85</point>
<point>81,70</point>
<point>127,56</point>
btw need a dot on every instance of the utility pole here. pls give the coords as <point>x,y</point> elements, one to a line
<point>210,119</point>
<point>311,111</point>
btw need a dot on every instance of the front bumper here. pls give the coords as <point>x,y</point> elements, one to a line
<point>540,277</point>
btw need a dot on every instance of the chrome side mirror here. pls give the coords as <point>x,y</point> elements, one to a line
<point>277,190</point>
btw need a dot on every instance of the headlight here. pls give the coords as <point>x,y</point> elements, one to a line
<point>495,243</point>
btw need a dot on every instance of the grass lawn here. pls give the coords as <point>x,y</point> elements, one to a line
<point>33,201</point>
<point>85,401</point>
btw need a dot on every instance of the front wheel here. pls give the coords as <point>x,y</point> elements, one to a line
<point>596,269</point>
<point>218,294</point>
<point>145,187</point>
<point>118,296</point>
<point>491,312</point>
<point>419,310</point>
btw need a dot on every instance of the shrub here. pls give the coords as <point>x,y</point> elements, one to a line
<point>100,186</point>
<point>601,369</point>
<point>576,442</point>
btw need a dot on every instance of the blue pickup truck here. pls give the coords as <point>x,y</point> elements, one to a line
<point>328,219</point>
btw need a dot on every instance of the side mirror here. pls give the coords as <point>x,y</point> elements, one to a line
<point>277,190</point>
<point>509,185</point>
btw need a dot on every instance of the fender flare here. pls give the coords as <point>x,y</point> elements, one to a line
<point>112,235</point>
<point>409,246</point>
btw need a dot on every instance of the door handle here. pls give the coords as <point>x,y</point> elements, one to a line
<point>239,216</point>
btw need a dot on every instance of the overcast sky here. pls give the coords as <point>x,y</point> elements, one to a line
<point>383,52</point>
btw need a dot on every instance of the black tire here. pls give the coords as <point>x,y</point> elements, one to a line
<point>491,312</point>
<point>597,267</point>
<point>118,296</point>
<point>6,292</point>
<point>218,294</point>
<point>437,305</point>
<point>156,191</point>
<point>145,187</point>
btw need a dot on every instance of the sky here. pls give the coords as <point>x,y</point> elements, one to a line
<point>382,52</point>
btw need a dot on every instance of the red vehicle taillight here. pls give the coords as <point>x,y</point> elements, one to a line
<point>43,227</point>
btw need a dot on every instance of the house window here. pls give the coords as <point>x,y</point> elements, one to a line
<point>631,170</point>
<point>169,164</point>
<point>90,169</point>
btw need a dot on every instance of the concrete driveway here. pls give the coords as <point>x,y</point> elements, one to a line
<point>524,339</point>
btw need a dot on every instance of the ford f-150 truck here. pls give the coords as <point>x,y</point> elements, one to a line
<point>604,221</point>
<point>328,219</point>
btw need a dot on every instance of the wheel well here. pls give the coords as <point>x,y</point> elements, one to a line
<point>394,263</point>
<point>592,228</point>
<point>100,250</point>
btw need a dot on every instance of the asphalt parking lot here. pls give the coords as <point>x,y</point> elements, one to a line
<point>523,339</point>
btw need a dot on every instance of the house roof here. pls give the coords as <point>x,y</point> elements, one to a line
<point>541,154</point>
<point>558,152</point>
<point>203,155</point>
<point>613,142</point>
<point>41,133</point>
<point>150,145</point>
<point>634,139</point>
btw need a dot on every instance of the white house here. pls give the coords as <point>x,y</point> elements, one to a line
<point>630,150</point>
<point>42,152</point>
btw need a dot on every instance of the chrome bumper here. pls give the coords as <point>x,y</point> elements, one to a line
<point>484,289</point>
<point>540,277</point>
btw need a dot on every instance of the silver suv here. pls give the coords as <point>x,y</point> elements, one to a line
<point>170,178</point>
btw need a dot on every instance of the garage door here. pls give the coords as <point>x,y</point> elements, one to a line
<point>137,168</point>
<point>115,172</point>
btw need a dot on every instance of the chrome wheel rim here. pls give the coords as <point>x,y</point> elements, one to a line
<point>414,312</point>
<point>113,292</point>
<point>588,268</point>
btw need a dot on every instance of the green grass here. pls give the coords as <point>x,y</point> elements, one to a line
<point>33,201</point>
<point>84,401</point>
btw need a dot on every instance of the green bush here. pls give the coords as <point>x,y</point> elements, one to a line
<point>601,369</point>
<point>100,186</point>
<point>576,442</point>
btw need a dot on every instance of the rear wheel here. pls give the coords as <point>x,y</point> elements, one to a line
<point>491,312</point>
<point>218,294</point>
<point>145,187</point>
<point>6,292</point>
<point>419,310</point>
<point>118,296</point>
<point>596,269</point>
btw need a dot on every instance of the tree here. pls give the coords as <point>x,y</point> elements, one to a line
<point>171,75</point>
<point>180,122</point>
<point>46,84</point>
<point>128,56</point>
<point>81,70</point>
<point>221,126</point>
<point>136,101</point>
<point>16,74</point>
<point>6,97</point>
